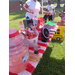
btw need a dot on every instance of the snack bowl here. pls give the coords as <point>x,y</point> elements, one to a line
<point>30,41</point>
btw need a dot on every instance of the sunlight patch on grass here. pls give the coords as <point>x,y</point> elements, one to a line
<point>58,19</point>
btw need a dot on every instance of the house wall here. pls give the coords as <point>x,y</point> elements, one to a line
<point>14,6</point>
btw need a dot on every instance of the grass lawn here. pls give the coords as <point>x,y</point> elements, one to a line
<point>53,62</point>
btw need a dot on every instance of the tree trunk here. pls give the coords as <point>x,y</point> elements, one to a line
<point>58,4</point>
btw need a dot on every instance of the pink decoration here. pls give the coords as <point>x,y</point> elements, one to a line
<point>21,25</point>
<point>51,12</point>
<point>63,19</point>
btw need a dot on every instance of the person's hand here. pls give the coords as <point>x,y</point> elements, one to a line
<point>61,15</point>
<point>62,12</point>
<point>49,13</point>
<point>31,12</point>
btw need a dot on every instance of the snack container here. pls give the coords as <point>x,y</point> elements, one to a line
<point>30,41</point>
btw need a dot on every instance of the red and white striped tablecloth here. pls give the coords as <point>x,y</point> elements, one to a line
<point>32,64</point>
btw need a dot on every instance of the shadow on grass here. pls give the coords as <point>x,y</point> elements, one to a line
<point>56,41</point>
<point>18,15</point>
<point>50,65</point>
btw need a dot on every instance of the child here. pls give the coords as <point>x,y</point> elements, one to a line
<point>62,14</point>
<point>50,7</point>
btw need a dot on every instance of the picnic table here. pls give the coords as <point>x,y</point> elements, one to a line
<point>43,45</point>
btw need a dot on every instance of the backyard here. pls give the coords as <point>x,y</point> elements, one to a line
<point>53,62</point>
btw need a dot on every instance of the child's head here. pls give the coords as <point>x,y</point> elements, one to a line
<point>49,2</point>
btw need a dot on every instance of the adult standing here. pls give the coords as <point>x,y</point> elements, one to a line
<point>32,8</point>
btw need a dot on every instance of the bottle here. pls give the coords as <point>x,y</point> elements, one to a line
<point>35,46</point>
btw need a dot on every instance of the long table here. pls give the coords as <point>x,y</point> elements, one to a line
<point>32,64</point>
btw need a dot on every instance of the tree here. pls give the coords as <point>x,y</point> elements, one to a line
<point>39,0</point>
<point>58,3</point>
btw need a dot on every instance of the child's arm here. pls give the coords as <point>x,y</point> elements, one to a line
<point>61,15</point>
<point>62,12</point>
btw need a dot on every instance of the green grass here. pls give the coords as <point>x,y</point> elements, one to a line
<point>53,62</point>
<point>14,19</point>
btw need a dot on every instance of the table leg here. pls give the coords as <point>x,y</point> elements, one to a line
<point>52,43</point>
